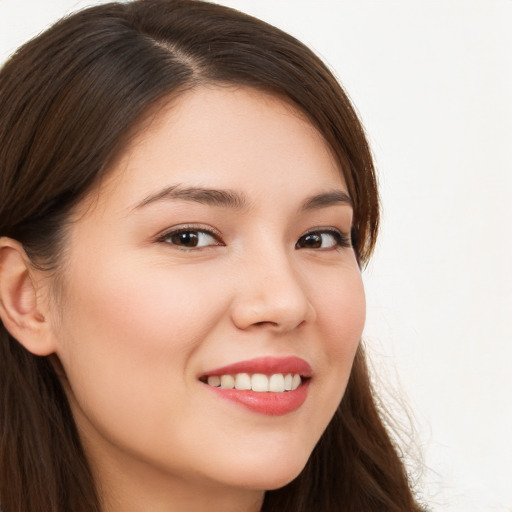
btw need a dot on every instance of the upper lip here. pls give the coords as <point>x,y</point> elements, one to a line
<point>266,365</point>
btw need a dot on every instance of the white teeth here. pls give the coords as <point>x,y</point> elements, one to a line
<point>214,381</point>
<point>259,382</point>
<point>295,381</point>
<point>276,383</point>
<point>227,382</point>
<point>243,381</point>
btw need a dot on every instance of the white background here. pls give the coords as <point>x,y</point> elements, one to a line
<point>432,80</point>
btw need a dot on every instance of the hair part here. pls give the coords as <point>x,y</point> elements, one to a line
<point>71,100</point>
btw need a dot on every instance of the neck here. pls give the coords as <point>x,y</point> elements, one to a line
<point>128,486</point>
<point>175,496</point>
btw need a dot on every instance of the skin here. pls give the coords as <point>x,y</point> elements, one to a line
<point>140,318</point>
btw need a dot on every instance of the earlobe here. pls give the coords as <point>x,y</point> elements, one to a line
<point>20,308</point>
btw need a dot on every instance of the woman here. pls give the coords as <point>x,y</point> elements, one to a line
<point>187,197</point>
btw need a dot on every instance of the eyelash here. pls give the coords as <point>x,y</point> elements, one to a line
<point>342,240</point>
<point>188,230</point>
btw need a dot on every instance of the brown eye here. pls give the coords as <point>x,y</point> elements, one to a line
<point>311,241</point>
<point>322,240</point>
<point>186,239</point>
<point>190,238</point>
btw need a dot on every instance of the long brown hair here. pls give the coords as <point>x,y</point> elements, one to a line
<point>70,100</point>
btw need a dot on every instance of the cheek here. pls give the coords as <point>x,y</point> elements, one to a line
<point>133,304</point>
<point>341,317</point>
<point>128,333</point>
<point>344,315</point>
<point>341,311</point>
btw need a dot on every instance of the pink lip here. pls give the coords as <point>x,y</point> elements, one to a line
<point>266,365</point>
<point>268,403</point>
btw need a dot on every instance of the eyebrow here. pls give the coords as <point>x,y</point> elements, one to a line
<point>208,196</point>
<point>237,200</point>
<point>331,198</point>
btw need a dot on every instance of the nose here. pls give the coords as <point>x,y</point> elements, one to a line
<point>271,294</point>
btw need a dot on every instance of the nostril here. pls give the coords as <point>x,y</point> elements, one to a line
<point>283,309</point>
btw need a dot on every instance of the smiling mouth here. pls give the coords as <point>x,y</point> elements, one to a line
<point>259,382</point>
<point>272,386</point>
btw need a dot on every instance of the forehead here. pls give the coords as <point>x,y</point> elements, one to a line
<point>225,137</point>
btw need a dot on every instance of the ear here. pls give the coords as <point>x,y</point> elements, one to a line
<point>21,305</point>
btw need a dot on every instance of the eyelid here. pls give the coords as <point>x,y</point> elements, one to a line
<point>343,239</point>
<point>181,228</point>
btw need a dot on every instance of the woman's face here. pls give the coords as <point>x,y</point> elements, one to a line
<point>220,238</point>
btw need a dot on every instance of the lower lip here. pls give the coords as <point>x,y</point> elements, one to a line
<point>268,403</point>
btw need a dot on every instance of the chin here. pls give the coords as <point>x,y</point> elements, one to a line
<point>281,480</point>
<point>268,480</point>
<point>268,473</point>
